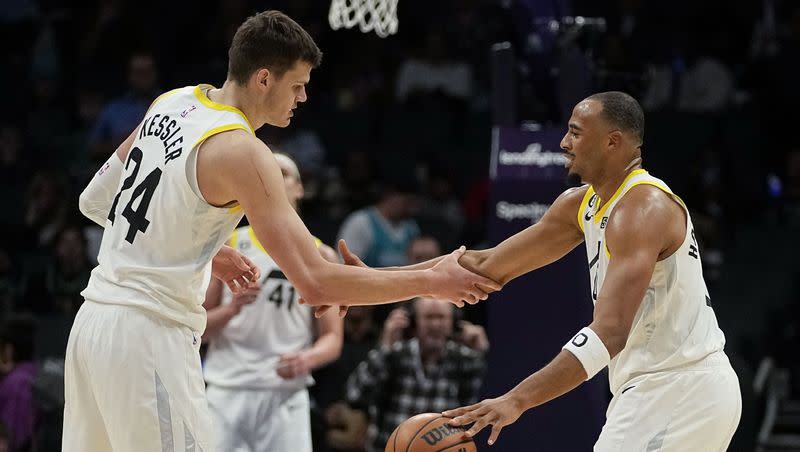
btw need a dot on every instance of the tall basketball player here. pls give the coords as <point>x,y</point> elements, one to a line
<point>191,170</point>
<point>653,326</point>
<point>263,346</point>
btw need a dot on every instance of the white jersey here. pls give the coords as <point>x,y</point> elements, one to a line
<point>161,234</point>
<point>245,354</point>
<point>675,325</point>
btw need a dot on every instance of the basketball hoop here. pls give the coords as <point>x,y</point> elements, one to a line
<point>370,15</point>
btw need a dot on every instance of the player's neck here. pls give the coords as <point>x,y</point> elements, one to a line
<point>236,96</point>
<point>614,179</point>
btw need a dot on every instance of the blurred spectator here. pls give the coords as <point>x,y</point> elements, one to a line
<point>380,234</point>
<point>17,409</point>
<point>47,207</point>
<point>354,186</point>
<point>48,116</point>
<point>123,114</point>
<point>707,85</point>
<point>434,71</point>
<point>441,214</point>
<point>58,284</point>
<point>427,373</point>
<point>14,173</point>
<point>360,336</point>
<point>72,147</point>
<point>423,248</point>
<point>5,439</point>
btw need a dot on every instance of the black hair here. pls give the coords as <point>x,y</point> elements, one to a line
<point>623,111</point>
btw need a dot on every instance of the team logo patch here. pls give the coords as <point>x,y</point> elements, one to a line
<point>186,112</point>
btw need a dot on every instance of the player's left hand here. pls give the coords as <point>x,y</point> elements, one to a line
<point>235,270</point>
<point>293,365</point>
<point>498,413</point>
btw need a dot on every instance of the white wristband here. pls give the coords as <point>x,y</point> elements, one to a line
<point>590,351</point>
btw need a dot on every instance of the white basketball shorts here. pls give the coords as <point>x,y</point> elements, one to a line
<point>133,383</point>
<point>695,408</point>
<point>260,420</point>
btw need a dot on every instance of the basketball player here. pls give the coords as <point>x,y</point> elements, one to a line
<point>192,168</point>
<point>653,327</point>
<point>263,348</point>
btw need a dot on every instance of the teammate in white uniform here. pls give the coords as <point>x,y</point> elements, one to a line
<point>263,346</point>
<point>653,325</point>
<point>132,374</point>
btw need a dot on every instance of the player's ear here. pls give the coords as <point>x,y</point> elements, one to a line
<point>614,139</point>
<point>263,77</point>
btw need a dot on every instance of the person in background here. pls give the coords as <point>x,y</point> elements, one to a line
<point>17,409</point>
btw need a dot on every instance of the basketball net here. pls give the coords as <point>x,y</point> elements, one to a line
<point>370,15</point>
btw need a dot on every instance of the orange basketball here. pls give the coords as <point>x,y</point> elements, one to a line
<point>429,432</point>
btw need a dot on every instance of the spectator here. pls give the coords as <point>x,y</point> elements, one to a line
<point>47,207</point>
<point>423,248</point>
<point>17,410</point>
<point>330,412</point>
<point>58,284</point>
<point>5,440</point>
<point>123,114</point>
<point>434,72</point>
<point>426,373</point>
<point>380,234</point>
<point>14,173</point>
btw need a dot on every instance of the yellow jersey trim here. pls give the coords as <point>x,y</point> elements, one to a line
<point>234,240</point>
<point>663,188</point>
<point>616,194</point>
<point>584,202</point>
<point>235,209</point>
<point>201,96</point>
<point>216,130</point>
<point>252,234</point>
<point>164,96</point>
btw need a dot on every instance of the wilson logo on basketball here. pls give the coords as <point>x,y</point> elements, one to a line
<point>437,434</point>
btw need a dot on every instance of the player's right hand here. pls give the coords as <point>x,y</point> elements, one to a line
<point>454,283</point>
<point>349,257</point>
<point>244,298</point>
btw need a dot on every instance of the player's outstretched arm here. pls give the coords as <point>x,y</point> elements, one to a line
<point>236,166</point>
<point>96,199</point>
<point>550,239</point>
<point>641,228</point>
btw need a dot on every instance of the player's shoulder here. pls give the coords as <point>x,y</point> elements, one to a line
<point>569,201</point>
<point>236,140</point>
<point>644,211</point>
<point>646,199</point>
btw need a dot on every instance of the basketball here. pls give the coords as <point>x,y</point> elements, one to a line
<point>429,432</point>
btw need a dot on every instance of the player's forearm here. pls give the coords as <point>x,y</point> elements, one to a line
<point>216,319</point>
<point>562,375</point>
<point>419,266</point>
<point>347,285</point>
<point>96,199</point>
<point>486,263</point>
<point>327,348</point>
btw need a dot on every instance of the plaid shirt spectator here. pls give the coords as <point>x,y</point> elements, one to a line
<point>392,385</point>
